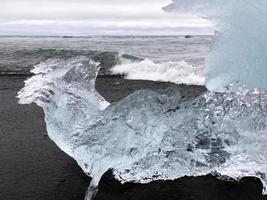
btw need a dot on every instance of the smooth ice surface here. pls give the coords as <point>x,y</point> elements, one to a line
<point>148,135</point>
<point>239,54</point>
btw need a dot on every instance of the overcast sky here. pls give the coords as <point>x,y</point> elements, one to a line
<point>94,17</point>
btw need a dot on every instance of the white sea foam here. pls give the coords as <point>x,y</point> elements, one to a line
<point>175,72</point>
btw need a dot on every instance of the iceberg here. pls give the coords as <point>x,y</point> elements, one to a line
<point>149,135</point>
<point>239,53</point>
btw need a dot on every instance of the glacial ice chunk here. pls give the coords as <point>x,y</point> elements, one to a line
<point>239,54</point>
<point>148,135</point>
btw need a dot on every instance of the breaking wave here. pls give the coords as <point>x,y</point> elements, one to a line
<point>175,72</point>
<point>148,135</point>
<point>111,63</point>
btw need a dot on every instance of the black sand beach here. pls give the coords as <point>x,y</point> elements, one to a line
<point>32,167</point>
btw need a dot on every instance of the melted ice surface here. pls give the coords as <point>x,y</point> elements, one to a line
<point>148,135</point>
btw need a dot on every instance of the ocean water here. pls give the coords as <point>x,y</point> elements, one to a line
<point>164,58</point>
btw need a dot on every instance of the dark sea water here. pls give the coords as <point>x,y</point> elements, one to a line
<point>19,54</point>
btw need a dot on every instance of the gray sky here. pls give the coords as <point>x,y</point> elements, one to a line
<point>87,17</point>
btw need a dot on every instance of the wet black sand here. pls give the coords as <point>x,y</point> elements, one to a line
<point>33,168</point>
<point>31,165</point>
